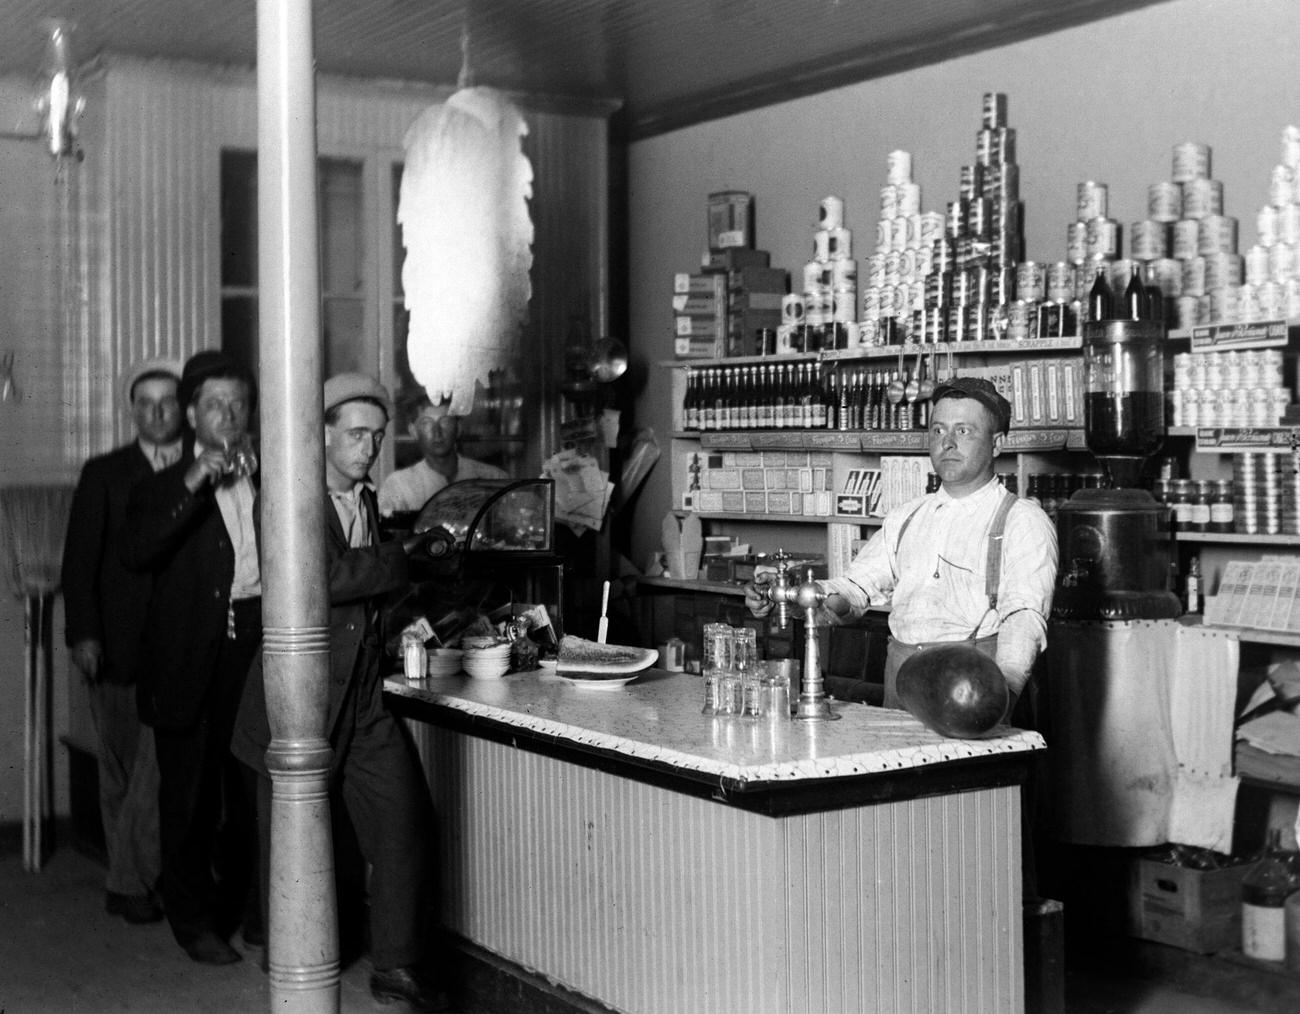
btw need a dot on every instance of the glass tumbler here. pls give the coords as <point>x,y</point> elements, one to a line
<point>715,660</point>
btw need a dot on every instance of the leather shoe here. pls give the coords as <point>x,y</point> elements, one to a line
<point>405,984</point>
<point>134,908</point>
<point>209,949</point>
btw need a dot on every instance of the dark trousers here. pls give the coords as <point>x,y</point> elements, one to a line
<point>376,778</point>
<point>205,807</point>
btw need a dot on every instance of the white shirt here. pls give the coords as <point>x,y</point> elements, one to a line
<point>409,489</point>
<point>235,498</point>
<point>160,456</point>
<point>351,509</point>
<point>935,582</point>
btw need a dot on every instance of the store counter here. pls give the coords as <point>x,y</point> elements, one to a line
<point>630,849</point>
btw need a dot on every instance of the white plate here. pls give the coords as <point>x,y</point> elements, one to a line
<point>598,681</point>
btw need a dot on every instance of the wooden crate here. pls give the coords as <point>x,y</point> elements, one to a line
<point>1197,910</point>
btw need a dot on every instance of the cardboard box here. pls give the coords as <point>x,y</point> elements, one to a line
<point>1197,910</point>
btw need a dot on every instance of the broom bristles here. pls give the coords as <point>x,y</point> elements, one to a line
<point>33,522</point>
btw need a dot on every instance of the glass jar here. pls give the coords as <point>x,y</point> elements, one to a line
<point>1221,512</point>
<point>1199,513</point>
<point>1180,499</point>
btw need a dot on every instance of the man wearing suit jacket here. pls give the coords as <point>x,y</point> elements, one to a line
<point>191,526</point>
<point>106,608</point>
<point>374,773</point>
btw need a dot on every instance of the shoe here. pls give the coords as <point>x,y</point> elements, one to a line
<point>209,949</point>
<point>405,984</point>
<point>137,909</point>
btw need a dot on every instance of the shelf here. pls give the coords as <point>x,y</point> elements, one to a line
<point>798,519</point>
<point>1280,638</point>
<point>1239,538</point>
<point>1005,348</point>
<point>873,441</point>
<point>682,584</point>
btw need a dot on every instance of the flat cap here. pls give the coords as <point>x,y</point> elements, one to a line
<point>209,364</point>
<point>983,392</point>
<point>148,367</point>
<point>344,387</point>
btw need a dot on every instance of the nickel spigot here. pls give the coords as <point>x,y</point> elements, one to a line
<point>808,595</point>
<point>779,591</point>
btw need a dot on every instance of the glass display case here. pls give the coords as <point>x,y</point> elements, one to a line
<point>490,517</point>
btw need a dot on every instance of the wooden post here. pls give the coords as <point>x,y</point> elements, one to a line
<point>304,963</point>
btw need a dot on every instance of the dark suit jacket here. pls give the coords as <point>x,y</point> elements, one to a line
<point>357,578</point>
<point>103,600</point>
<point>180,538</point>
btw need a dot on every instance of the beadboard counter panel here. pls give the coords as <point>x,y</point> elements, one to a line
<point>632,850</point>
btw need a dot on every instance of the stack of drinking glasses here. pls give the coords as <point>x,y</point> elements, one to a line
<point>736,681</point>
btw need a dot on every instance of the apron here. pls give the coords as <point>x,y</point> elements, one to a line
<point>899,652</point>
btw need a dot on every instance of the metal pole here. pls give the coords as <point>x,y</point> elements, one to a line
<point>304,963</point>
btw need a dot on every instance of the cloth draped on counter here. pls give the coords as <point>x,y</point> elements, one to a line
<point>1141,735</point>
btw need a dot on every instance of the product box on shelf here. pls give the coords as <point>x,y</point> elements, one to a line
<point>1197,910</point>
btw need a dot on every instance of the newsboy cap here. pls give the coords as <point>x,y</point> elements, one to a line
<point>983,392</point>
<point>344,387</point>
<point>210,364</point>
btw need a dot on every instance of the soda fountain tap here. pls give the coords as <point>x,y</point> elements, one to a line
<point>813,704</point>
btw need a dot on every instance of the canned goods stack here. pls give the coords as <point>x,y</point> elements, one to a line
<point>1186,245</point>
<point>830,288</point>
<point>908,245</point>
<point>1232,388</point>
<point>1270,287</point>
<point>1051,489</point>
<point>1264,494</point>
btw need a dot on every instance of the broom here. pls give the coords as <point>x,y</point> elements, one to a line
<point>33,521</point>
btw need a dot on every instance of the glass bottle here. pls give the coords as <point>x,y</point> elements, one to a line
<point>1101,301</point>
<point>1264,891</point>
<point>1192,587</point>
<point>844,415</point>
<point>1135,296</point>
<point>1199,514</point>
<point>708,406</point>
<point>691,403</point>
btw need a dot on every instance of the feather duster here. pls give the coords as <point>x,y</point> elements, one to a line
<point>463,209</point>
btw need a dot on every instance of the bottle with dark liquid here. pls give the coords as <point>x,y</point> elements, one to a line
<point>691,403</point>
<point>1101,301</point>
<point>1135,297</point>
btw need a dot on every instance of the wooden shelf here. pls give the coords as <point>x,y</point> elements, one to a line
<point>682,584</point>
<point>1279,638</point>
<point>1062,438</point>
<point>1003,348</point>
<point>1238,538</point>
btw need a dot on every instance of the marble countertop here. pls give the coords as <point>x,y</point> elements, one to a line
<point>656,718</point>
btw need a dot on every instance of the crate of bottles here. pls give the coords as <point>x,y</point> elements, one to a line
<point>1172,902</point>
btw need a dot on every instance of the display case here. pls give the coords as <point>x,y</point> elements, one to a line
<point>492,518</point>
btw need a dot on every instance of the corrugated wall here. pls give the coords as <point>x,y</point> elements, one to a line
<point>655,901</point>
<point>152,229</point>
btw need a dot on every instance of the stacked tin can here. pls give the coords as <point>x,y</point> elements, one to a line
<point>1186,245</point>
<point>974,295</point>
<point>1265,494</point>
<point>1271,274</point>
<point>1231,388</point>
<point>830,284</point>
<point>908,245</point>
<point>1094,242</point>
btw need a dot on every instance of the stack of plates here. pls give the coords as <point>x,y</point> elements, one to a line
<point>444,661</point>
<point>487,663</point>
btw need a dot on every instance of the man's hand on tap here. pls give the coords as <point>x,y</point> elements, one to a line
<point>756,600</point>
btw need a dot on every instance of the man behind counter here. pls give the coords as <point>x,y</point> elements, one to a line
<point>929,558</point>
<point>374,773</point>
<point>436,431</point>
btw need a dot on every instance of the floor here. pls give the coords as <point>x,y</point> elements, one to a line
<point>61,953</point>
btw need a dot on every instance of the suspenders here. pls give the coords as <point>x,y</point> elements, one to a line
<point>993,562</point>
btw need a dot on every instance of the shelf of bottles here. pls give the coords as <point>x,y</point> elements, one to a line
<point>808,404</point>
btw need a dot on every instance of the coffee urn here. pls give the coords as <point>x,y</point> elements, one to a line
<point>1116,543</point>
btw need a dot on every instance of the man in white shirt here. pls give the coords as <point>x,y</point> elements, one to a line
<point>436,431</point>
<point>929,561</point>
<point>106,607</point>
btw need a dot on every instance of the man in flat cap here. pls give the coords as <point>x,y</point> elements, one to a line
<point>374,774</point>
<point>191,527</point>
<point>106,607</point>
<point>931,561</point>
